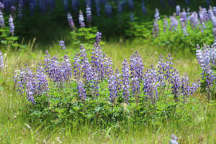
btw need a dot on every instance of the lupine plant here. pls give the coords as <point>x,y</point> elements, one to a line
<point>88,87</point>
<point>1,61</point>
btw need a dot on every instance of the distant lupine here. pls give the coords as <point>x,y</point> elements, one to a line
<point>98,38</point>
<point>70,21</point>
<point>155,28</point>
<point>173,23</point>
<point>88,14</point>
<point>20,8</point>
<point>208,2</point>
<point>1,6</point>
<point>187,2</point>
<point>194,21</point>
<point>178,10</point>
<point>120,6</point>
<point>157,14</point>
<point>13,10</point>
<point>183,17</point>
<point>126,80</point>
<point>81,19</point>
<point>2,23</point>
<point>75,5</point>
<point>98,8</point>
<point>32,6</point>
<point>108,9</point>
<point>214,10</point>
<point>88,3</point>
<point>202,17</point>
<point>1,61</point>
<point>131,4</point>
<point>132,16</point>
<point>144,10</point>
<point>11,24</point>
<point>165,24</point>
<point>62,44</point>
<point>65,4</point>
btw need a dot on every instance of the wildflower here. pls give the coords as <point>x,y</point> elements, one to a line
<point>11,24</point>
<point>62,44</point>
<point>81,90</point>
<point>81,19</point>
<point>1,61</point>
<point>125,80</point>
<point>178,10</point>
<point>2,23</point>
<point>88,15</point>
<point>108,9</point>
<point>70,21</point>
<point>173,23</point>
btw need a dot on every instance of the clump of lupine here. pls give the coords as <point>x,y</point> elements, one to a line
<point>89,70</point>
<point>62,44</point>
<point>194,20</point>
<point>207,60</point>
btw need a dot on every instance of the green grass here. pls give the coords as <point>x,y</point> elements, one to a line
<point>14,128</point>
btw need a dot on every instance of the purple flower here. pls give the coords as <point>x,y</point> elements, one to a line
<point>1,6</point>
<point>2,23</point>
<point>108,9</point>
<point>1,61</point>
<point>155,28</point>
<point>88,14</point>
<point>11,24</point>
<point>178,10</point>
<point>70,21</point>
<point>173,23</point>
<point>157,14</point>
<point>125,80</point>
<point>165,24</point>
<point>62,44</point>
<point>113,87</point>
<point>81,90</point>
<point>81,19</point>
<point>150,84</point>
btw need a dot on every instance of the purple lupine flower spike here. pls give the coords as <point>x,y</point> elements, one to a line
<point>155,28</point>
<point>20,8</point>
<point>173,23</point>
<point>125,80</point>
<point>1,6</point>
<point>62,44</point>
<point>178,10</point>
<point>108,9</point>
<point>165,24</point>
<point>70,21</point>
<point>81,90</point>
<point>11,24</point>
<point>81,19</point>
<point>157,14</point>
<point>1,61</point>
<point>88,14</point>
<point>2,23</point>
<point>113,88</point>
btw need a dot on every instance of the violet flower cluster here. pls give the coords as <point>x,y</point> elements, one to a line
<point>88,70</point>
<point>196,20</point>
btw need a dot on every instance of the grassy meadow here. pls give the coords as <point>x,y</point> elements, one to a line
<point>16,129</point>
